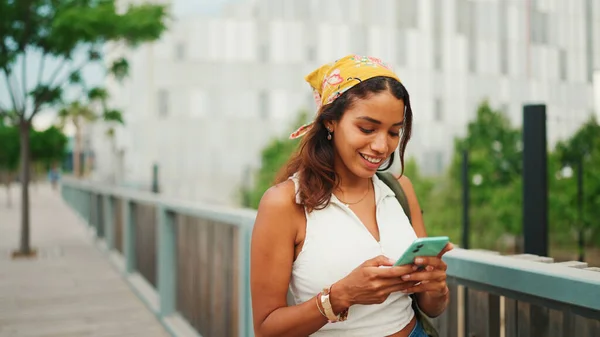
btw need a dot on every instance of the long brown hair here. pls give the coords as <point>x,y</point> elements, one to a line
<point>315,154</point>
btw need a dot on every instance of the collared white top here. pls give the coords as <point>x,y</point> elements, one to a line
<point>336,243</point>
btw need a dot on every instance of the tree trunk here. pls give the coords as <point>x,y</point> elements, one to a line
<point>24,129</point>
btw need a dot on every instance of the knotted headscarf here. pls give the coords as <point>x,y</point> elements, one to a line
<point>331,80</point>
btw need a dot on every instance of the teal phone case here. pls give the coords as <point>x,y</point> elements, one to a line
<point>429,246</point>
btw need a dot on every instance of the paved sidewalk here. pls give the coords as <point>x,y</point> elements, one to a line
<point>70,289</point>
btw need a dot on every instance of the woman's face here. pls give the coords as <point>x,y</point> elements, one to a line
<point>367,134</point>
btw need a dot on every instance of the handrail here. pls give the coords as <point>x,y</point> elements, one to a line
<point>230,215</point>
<point>550,285</point>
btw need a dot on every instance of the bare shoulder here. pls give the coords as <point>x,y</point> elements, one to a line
<point>278,205</point>
<point>281,197</point>
<point>272,249</point>
<point>406,184</point>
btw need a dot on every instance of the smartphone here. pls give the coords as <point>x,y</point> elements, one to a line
<point>428,246</point>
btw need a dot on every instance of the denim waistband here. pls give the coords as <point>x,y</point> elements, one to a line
<point>418,331</point>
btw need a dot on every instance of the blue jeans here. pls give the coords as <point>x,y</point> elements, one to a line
<point>418,331</point>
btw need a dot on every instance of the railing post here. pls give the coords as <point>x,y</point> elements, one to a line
<point>83,210</point>
<point>167,260</point>
<point>129,235</point>
<point>245,324</point>
<point>109,223</point>
<point>100,224</point>
<point>87,197</point>
<point>77,200</point>
<point>92,212</point>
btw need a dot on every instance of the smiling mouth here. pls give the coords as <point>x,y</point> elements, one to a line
<point>370,159</point>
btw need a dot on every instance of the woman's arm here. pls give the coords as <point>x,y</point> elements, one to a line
<point>272,255</point>
<point>274,239</point>
<point>432,303</point>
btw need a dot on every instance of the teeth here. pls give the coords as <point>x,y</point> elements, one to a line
<point>371,160</point>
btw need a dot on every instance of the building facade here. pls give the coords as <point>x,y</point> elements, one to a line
<point>204,100</point>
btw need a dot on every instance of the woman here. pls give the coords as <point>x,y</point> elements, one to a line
<point>329,225</point>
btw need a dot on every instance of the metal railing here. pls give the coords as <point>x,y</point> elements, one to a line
<point>190,264</point>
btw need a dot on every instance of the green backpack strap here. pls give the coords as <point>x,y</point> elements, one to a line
<point>395,186</point>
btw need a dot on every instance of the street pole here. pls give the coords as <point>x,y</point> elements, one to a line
<point>580,209</point>
<point>535,180</point>
<point>465,229</point>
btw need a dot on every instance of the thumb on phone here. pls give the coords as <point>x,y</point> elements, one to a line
<point>449,247</point>
<point>377,261</point>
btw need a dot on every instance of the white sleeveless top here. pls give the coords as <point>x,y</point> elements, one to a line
<point>336,243</point>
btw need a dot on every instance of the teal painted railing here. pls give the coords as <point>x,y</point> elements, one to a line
<point>115,212</point>
<point>190,265</point>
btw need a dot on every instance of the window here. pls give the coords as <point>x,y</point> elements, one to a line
<point>589,43</point>
<point>439,162</point>
<point>263,105</point>
<point>562,63</point>
<point>438,61</point>
<point>198,103</point>
<point>401,52</point>
<point>503,34</point>
<point>311,105</point>
<point>438,113</point>
<point>263,52</point>
<point>163,103</point>
<point>437,34</point>
<point>470,17</point>
<point>310,54</point>
<point>505,109</point>
<point>408,14</point>
<point>504,57</point>
<point>180,51</point>
<point>538,29</point>
<point>462,17</point>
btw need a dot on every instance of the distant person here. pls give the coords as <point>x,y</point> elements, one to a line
<point>54,176</point>
<point>329,223</point>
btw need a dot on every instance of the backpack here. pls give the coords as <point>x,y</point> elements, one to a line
<point>395,186</point>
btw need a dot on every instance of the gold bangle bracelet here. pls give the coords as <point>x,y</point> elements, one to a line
<point>318,307</point>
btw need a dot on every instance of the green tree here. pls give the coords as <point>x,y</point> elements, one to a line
<point>9,156</point>
<point>583,148</point>
<point>59,30</point>
<point>423,185</point>
<point>273,157</point>
<point>48,147</point>
<point>495,168</point>
<point>76,114</point>
<point>279,150</point>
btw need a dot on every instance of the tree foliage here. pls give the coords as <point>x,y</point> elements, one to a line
<point>47,147</point>
<point>9,150</point>
<point>273,157</point>
<point>583,148</point>
<point>60,30</point>
<point>495,169</point>
<point>495,182</point>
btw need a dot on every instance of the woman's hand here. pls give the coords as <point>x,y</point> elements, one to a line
<point>431,277</point>
<point>370,283</point>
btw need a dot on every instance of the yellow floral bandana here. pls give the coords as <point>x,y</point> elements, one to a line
<point>330,81</point>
